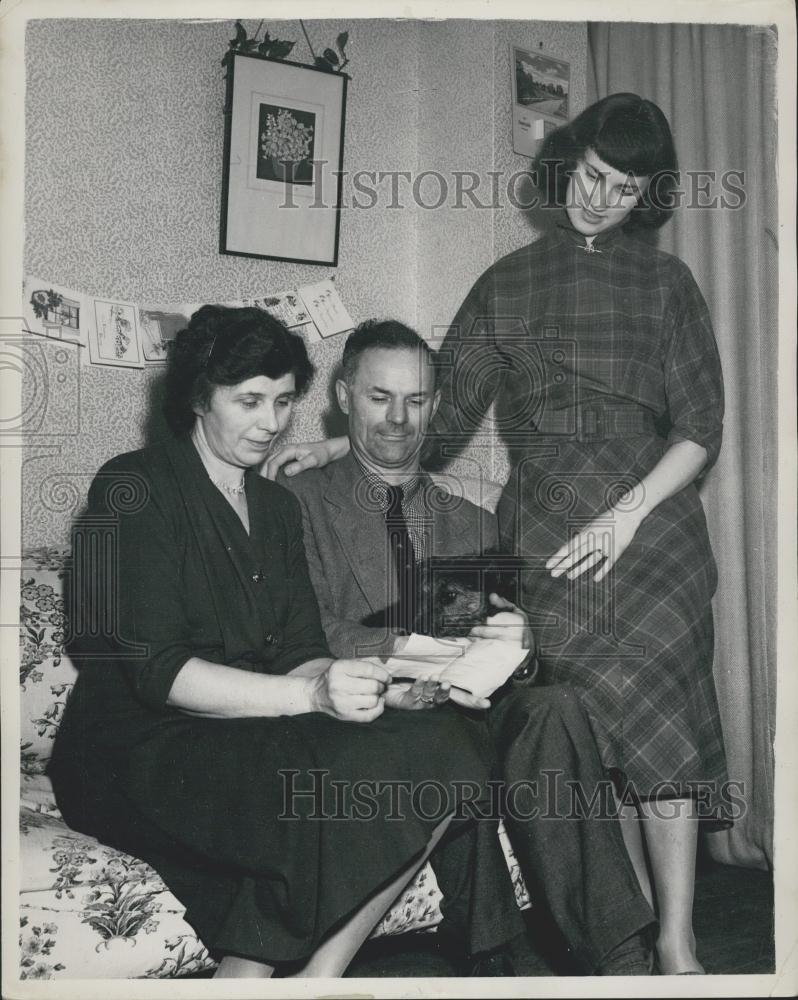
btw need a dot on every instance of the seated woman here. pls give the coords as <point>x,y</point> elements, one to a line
<point>209,724</point>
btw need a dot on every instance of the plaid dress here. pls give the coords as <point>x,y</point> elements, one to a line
<point>597,361</point>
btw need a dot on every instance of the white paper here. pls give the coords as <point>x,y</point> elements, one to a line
<point>529,130</point>
<point>480,666</point>
<point>326,309</point>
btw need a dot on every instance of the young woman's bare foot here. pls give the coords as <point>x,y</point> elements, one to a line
<point>678,958</point>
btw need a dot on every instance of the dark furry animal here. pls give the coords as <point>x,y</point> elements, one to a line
<point>451,597</point>
<point>452,591</point>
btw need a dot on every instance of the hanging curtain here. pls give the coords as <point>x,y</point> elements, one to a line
<point>715,84</point>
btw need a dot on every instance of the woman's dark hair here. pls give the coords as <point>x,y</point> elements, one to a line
<point>222,346</point>
<point>628,133</point>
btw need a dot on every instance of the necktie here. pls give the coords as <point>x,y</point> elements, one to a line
<point>404,560</point>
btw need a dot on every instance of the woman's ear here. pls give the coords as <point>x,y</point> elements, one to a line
<point>199,408</point>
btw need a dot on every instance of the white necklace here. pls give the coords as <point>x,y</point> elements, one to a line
<point>234,491</point>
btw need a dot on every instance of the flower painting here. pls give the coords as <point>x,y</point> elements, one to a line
<point>283,160</point>
<point>285,144</point>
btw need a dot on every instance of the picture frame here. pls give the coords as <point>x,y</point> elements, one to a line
<point>283,160</point>
<point>541,97</point>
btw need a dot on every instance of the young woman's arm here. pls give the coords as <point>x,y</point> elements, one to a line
<point>295,458</point>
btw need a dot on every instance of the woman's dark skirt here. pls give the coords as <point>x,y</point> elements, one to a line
<point>272,832</point>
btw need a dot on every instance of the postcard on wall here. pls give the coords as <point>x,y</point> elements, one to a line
<point>114,339</point>
<point>288,307</point>
<point>326,308</point>
<point>54,311</point>
<point>541,97</point>
<point>158,327</point>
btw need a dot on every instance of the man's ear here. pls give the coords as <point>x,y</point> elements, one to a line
<point>342,393</point>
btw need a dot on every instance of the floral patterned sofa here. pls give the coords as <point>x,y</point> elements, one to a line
<point>87,910</point>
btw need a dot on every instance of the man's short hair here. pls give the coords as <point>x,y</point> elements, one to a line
<point>388,334</point>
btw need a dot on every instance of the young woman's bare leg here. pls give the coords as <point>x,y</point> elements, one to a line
<point>671,832</point>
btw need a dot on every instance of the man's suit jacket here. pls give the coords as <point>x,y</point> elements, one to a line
<point>347,548</point>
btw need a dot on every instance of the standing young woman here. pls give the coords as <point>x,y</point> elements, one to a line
<point>598,352</point>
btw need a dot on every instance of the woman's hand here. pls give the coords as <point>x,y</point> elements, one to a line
<point>294,458</point>
<point>350,690</point>
<point>605,538</point>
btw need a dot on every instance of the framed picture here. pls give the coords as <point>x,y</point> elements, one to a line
<point>283,156</point>
<point>541,86</point>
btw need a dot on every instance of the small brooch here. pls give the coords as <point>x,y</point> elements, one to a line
<point>589,248</point>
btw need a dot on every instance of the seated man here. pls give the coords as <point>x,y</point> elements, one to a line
<point>367,519</point>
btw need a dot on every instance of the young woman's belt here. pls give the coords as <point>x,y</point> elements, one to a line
<point>597,422</point>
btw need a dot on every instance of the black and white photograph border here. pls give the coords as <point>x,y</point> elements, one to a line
<point>426,206</point>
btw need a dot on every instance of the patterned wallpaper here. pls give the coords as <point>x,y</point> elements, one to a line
<point>124,133</point>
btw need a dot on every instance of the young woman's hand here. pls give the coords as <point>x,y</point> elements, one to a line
<point>294,458</point>
<point>604,541</point>
<point>350,690</point>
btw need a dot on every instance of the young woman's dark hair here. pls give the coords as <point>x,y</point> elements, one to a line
<point>389,334</point>
<point>224,346</point>
<point>627,132</point>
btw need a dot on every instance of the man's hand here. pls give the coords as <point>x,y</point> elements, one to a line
<point>422,693</point>
<point>350,690</point>
<point>295,458</point>
<point>467,700</point>
<point>426,693</point>
<point>509,625</point>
